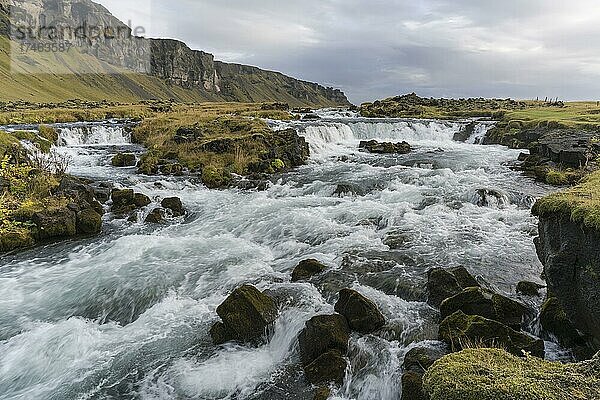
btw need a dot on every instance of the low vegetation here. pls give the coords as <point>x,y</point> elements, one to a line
<point>216,140</point>
<point>494,374</point>
<point>581,203</point>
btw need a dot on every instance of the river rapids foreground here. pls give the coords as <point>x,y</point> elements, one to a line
<point>126,315</point>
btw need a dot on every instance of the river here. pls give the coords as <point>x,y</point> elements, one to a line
<point>126,314</point>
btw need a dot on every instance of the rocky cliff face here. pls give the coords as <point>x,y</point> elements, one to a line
<point>170,60</point>
<point>570,253</point>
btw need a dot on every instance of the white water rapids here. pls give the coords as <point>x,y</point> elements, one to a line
<point>126,315</point>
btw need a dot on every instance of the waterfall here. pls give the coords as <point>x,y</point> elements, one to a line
<point>93,135</point>
<point>479,132</point>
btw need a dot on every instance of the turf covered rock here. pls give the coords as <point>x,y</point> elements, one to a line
<point>361,313</point>
<point>494,374</point>
<point>442,283</point>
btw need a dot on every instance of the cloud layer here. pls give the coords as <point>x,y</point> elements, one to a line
<point>378,48</point>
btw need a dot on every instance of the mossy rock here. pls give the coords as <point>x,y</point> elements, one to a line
<point>156,216</point>
<point>247,312</point>
<point>48,133</point>
<point>15,239</point>
<point>306,269</point>
<point>494,374</point>
<point>55,223</point>
<point>460,331</point>
<point>215,178</point>
<point>89,222</point>
<point>175,205</point>
<point>124,160</point>
<point>361,313</point>
<point>412,386</point>
<point>531,289</point>
<point>487,304</point>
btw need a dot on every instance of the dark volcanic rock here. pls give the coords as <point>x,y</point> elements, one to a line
<point>55,223</point>
<point>529,288</point>
<point>175,205</point>
<point>487,304</point>
<point>307,269</point>
<point>375,147</point>
<point>571,257</point>
<point>156,216</point>
<point>322,334</point>
<point>246,315</point>
<point>460,329</point>
<point>416,362</point>
<point>350,189</point>
<point>555,321</point>
<point>141,200</point>
<point>442,284</point>
<point>362,314</point>
<point>327,368</point>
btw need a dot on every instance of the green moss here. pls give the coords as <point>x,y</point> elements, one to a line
<point>215,178</point>
<point>493,374</point>
<point>48,133</point>
<point>556,178</point>
<point>41,143</point>
<point>277,165</point>
<point>580,203</point>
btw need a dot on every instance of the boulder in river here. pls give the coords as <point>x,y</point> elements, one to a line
<point>124,160</point>
<point>442,283</point>
<point>307,269</point>
<point>89,222</point>
<point>348,189</point>
<point>375,147</point>
<point>323,343</point>
<point>362,314</point>
<point>55,223</point>
<point>246,315</point>
<point>460,330</point>
<point>156,216</point>
<point>487,304</point>
<point>175,205</point>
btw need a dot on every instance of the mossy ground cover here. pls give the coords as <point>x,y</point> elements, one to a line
<point>222,138</point>
<point>493,374</point>
<point>580,203</point>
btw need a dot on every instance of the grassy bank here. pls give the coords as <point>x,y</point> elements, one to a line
<point>581,203</point>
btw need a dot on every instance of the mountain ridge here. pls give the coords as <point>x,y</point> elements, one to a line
<point>182,73</point>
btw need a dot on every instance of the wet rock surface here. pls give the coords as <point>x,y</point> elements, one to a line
<point>361,313</point>
<point>307,269</point>
<point>246,314</point>
<point>375,147</point>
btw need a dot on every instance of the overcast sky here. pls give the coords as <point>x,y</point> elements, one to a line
<point>379,48</point>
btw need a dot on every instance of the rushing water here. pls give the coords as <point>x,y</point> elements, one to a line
<point>126,315</point>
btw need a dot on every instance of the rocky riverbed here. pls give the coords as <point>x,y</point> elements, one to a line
<point>144,310</point>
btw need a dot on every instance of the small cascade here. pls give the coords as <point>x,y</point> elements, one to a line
<point>93,135</point>
<point>479,132</point>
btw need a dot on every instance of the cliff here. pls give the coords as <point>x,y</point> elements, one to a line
<point>171,61</point>
<point>569,248</point>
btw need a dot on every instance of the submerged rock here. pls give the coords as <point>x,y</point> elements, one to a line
<point>460,330</point>
<point>362,314</point>
<point>141,200</point>
<point>487,304</point>
<point>246,315</point>
<point>375,147</point>
<point>348,189</point>
<point>307,269</point>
